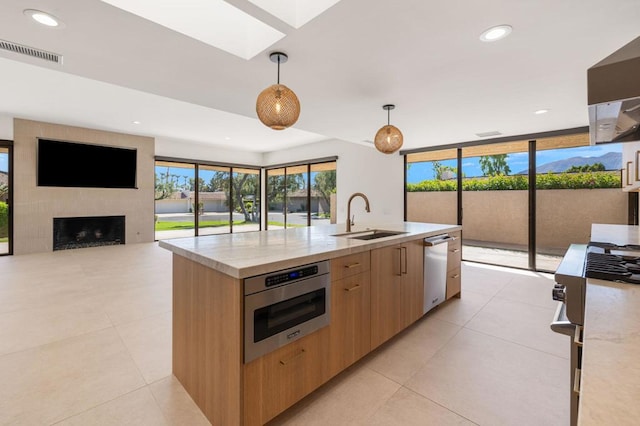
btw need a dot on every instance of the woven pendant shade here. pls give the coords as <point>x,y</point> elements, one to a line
<point>278,107</point>
<point>389,138</point>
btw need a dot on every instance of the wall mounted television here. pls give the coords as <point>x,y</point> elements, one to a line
<point>81,165</point>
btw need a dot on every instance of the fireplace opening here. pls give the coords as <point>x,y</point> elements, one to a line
<point>81,232</point>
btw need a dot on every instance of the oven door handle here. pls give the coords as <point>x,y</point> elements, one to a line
<point>560,323</point>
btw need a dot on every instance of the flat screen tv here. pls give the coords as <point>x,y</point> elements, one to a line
<point>72,164</point>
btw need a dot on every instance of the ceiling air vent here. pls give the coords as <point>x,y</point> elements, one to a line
<point>30,51</point>
<point>488,134</point>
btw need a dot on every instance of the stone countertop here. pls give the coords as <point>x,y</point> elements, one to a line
<point>246,254</point>
<point>618,234</point>
<point>610,383</point>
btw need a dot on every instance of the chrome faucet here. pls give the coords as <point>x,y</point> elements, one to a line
<point>366,207</point>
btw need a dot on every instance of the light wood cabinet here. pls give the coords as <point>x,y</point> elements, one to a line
<point>454,267</point>
<point>397,289</point>
<point>350,330</point>
<point>279,379</point>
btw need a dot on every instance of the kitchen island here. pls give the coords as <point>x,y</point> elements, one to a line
<point>376,291</point>
<point>610,382</point>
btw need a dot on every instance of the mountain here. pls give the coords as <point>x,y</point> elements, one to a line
<point>611,161</point>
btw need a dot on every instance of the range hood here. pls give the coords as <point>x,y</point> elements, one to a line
<point>613,88</point>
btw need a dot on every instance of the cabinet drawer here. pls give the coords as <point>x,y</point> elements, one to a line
<point>281,378</point>
<point>352,264</point>
<point>454,281</point>
<point>454,255</point>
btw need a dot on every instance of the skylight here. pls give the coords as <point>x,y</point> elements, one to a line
<point>213,22</point>
<point>295,12</point>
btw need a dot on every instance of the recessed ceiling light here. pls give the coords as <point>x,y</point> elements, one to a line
<point>541,111</point>
<point>227,138</point>
<point>496,33</point>
<point>136,122</point>
<point>43,18</point>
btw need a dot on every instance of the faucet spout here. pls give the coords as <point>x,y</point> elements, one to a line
<point>366,207</point>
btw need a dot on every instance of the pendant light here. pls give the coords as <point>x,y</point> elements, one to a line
<point>277,106</point>
<point>389,138</point>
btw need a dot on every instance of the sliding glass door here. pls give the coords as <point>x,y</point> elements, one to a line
<point>175,199</point>
<point>432,187</point>
<point>577,185</point>
<point>5,199</point>
<point>495,203</point>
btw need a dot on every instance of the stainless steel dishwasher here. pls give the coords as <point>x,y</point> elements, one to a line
<point>435,270</point>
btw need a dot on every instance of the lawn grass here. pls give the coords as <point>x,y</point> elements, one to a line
<point>174,226</point>
<point>4,240</point>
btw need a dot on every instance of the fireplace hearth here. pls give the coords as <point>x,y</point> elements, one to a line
<point>82,232</point>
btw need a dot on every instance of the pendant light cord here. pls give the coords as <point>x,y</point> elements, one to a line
<point>278,69</point>
<point>388,116</point>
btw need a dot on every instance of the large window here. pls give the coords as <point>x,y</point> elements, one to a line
<point>301,195</point>
<point>577,185</point>
<point>5,198</point>
<point>195,199</point>
<point>520,203</point>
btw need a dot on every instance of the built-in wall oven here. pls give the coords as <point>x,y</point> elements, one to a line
<point>281,307</point>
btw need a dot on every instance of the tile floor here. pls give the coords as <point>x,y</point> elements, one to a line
<point>85,339</point>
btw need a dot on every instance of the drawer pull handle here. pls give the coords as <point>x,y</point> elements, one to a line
<point>576,381</point>
<point>455,250</point>
<point>355,287</point>
<point>353,265</point>
<point>296,356</point>
<point>576,335</point>
<point>455,276</point>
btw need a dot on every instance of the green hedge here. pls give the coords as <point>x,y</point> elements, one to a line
<point>4,220</point>
<point>588,180</point>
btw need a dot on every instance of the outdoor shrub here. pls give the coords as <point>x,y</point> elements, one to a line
<point>583,180</point>
<point>4,220</point>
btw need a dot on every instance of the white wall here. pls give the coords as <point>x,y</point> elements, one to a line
<point>191,151</point>
<point>360,169</point>
<point>6,127</point>
<point>35,207</point>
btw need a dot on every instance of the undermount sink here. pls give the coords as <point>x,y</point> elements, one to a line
<point>370,234</point>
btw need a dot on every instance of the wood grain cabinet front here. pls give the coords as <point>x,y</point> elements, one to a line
<point>353,264</point>
<point>397,289</point>
<point>454,265</point>
<point>279,379</point>
<point>350,330</point>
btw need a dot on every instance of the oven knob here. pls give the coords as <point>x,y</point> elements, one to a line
<point>558,292</point>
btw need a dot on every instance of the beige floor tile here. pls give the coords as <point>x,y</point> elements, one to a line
<point>407,408</point>
<point>400,358</point>
<point>149,343</point>
<point>532,290</point>
<point>521,323</point>
<point>460,311</point>
<point>123,306</point>
<point>136,408</point>
<point>480,279</point>
<point>493,382</point>
<point>29,328</point>
<point>52,382</point>
<point>348,399</point>
<point>176,404</point>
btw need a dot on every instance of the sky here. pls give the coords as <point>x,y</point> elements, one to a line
<point>4,162</point>
<point>517,161</point>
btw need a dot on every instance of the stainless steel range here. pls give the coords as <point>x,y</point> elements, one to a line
<point>597,260</point>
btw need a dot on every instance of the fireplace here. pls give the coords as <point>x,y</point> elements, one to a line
<point>81,232</point>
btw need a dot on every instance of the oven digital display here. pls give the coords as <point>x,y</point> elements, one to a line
<point>291,276</point>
